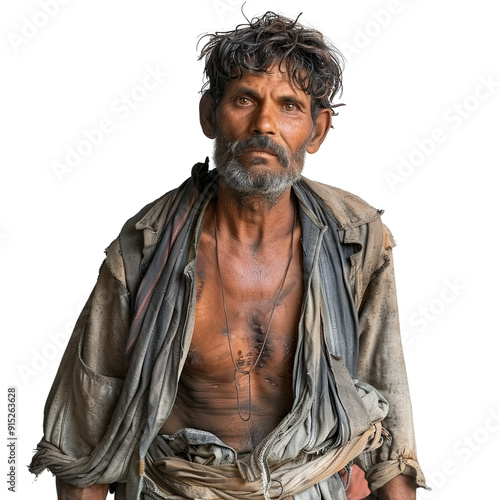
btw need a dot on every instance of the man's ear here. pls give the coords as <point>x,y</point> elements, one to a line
<point>207,114</point>
<point>323,124</point>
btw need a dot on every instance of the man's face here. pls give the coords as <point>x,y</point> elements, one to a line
<point>263,128</point>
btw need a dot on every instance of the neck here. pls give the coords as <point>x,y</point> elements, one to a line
<point>253,220</point>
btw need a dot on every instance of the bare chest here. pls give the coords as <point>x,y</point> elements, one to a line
<point>237,378</point>
<point>247,314</point>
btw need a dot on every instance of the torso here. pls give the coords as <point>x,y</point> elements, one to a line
<point>207,396</point>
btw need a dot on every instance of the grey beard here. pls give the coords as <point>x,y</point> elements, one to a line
<point>267,185</point>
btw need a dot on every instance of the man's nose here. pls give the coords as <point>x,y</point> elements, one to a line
<point>263,120</point>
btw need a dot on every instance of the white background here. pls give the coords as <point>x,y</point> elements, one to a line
<point>412,67</point>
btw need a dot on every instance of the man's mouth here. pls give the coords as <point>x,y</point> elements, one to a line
<point>258,148</point>
<point>254,150</point>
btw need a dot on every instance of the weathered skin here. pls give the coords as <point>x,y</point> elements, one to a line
<point>254,245</point>
<point>252,274</point>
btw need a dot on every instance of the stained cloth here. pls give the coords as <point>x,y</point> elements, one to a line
<point>103,413</point>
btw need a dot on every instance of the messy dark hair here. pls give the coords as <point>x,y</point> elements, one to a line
<point>313,64</point>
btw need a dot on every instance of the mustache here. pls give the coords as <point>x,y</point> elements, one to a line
<point>264,143</point>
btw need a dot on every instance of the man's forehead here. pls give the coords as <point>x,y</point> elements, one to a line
<point>275,75</point>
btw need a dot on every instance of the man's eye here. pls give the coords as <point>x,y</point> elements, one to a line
<point>290,106</point>
<point>244,101</point>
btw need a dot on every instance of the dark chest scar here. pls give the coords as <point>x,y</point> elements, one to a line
<point>251,354</point>
<point>260,353</point>
<point>258,323</point>
<point>194,357</point>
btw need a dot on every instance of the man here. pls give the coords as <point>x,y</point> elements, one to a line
<point>242,338</point>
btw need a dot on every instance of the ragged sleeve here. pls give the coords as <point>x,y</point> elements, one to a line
<point>381,364</point>
<point>90,377</point>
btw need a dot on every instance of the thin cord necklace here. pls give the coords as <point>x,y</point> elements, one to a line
<point>238,372</point>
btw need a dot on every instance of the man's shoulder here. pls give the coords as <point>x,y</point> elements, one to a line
<point>359,224</point>
<point>140,235</point>
<point>127,250</point>
<point>349,210</point>
<point>152,216</point>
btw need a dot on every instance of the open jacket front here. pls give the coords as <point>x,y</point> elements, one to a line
<point>117,381</point>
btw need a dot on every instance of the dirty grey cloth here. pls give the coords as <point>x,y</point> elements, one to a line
<point>207,452</point>
<point>101,418</point>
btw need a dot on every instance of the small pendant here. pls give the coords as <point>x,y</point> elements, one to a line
<point>242,382</point>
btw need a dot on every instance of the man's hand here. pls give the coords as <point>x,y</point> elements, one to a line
<point>400,488</point>
<point>358,485</point>
<point>67,491</point>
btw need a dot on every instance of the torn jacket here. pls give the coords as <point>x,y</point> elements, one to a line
<point>117,381</point>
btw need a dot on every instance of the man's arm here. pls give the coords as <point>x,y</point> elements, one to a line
<point>381,364</point>
<point>88,383</point>
<point>66,491</point>
<point>399,488</point>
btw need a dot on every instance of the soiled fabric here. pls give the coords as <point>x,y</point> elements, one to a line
<point>118,378</point>
<point>196,464</point>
